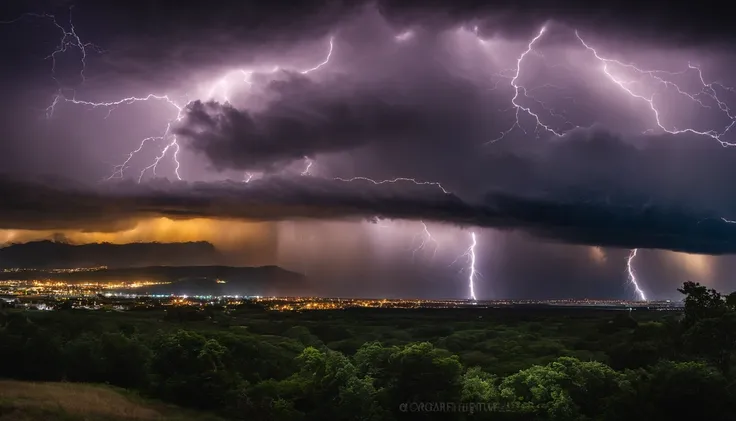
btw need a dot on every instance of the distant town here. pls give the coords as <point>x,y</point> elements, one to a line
<point>54,294</point>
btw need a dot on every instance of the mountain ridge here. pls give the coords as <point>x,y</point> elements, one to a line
<point>48,254</point>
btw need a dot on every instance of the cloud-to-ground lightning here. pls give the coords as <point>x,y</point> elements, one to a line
<point>425,235</point>
<point>632,275</point>
<point>473,273</point>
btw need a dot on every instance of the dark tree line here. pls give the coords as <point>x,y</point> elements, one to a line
<point>676,370</point>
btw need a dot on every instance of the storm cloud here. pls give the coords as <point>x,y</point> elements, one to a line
<point>305,118</point>
<point>631,225</point>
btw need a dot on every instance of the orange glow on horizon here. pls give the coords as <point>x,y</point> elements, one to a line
<point>224,234</point>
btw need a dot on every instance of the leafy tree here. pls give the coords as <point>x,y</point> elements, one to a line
<point>701,302</point>
<point>479,387</point>
<point>731,301</point>
<point>325,387</point>
<point>714,339</point>
<point>42,358</point>
<point>646,345</point>
<point>372,359</point>
<point>567,389</point>
<point>422,373</point>
<point>333,388</point>
<point>126,360</point>
<point>11,351</point>
<point>590,384</point>
<point>190,369</point>
<point>303,335</point>
<point>359,400</point>
<point>538,390</point>
<point>273,399</point>
<point>83,358</point>
<point>673,390</point>
<point>255,359</point>
<point>710,324</point>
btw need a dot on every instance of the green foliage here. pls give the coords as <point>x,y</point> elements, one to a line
<point>701,302</point>
<point>710,325</point>
<point>189,369</point>
<point>673,390</point>
<point>423,373</point>
<point>372,365</point>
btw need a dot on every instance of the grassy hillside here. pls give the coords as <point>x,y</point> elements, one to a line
<point>25,401</point>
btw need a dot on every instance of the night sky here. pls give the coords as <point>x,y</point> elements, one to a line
<point>370,145</point>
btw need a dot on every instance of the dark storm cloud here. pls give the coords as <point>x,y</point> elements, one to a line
<point>77,206</point>
<point>308,118</point>
<point>598,166</point>
<point>158,40</point>
<point>677,22</point>
<point>236,139</point>
<point>273,199</point>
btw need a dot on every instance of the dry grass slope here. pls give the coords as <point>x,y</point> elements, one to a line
<point>25,401</point>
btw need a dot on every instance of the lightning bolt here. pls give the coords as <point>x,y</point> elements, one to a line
<point>171,146</point>
<point>728,221</point>
<point>473,273</point>
<point>324,63</point>
<point>69,40</point>
<point>308,168</point>
<point>707,90</point>
<point>395,180</point>
<point>520,90</point>
<point>632,275</point>
<point>426,237</point>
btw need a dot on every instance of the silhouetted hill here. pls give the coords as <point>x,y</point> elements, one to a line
<point>52,254</point>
